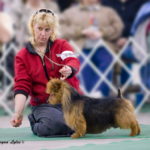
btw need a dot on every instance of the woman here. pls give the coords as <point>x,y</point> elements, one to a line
<point>44,57</point>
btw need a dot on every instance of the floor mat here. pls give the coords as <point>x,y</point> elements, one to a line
<point>25,134</point>
<point>143,144</point>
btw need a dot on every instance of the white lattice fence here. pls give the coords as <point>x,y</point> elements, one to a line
<point>134,77</point>
<point>6,80</point>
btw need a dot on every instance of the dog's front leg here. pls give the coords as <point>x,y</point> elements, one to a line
<point>79,127</point>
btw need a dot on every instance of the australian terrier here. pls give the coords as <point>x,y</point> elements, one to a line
<point>85,114</point>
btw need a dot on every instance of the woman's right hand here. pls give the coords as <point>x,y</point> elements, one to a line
<point>16,120</point>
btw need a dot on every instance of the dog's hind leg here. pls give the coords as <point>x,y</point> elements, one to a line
<point>135,128</point>
<point>127,120</point>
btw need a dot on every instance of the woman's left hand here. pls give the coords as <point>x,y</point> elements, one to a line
<point>66,72</point>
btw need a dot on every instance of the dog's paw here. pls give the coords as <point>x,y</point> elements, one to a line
<point>75,135</point>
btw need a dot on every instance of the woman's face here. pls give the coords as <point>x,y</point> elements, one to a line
<point>41,34</point>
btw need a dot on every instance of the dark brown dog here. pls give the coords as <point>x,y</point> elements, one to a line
<point>84,114</point>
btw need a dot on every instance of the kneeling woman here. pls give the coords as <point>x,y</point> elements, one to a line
<point>44,57</point>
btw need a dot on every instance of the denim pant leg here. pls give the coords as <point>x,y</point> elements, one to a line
<point>47,120</point>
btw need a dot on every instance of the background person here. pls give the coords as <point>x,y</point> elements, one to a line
<point>127,10</point>
<point>90,23</point>
<point>99,22</point>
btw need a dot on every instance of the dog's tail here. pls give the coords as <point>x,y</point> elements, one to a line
<point>119,93</point>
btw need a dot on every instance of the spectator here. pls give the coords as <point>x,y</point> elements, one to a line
<point>6,34</point>
<point>86,23</point>
<point>127,10</point>
<point>104,19</point>
<point>6,28</point>
<point>65,4</point>
<point>51,4</point>
<point>141,33</point>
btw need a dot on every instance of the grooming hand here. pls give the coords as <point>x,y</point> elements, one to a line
<point>16,120</point>
<point>66,72</point>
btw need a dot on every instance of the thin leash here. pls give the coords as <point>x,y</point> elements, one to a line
<point>43,54</point>
<point>51,61</point>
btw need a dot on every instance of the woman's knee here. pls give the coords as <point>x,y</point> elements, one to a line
<point>51,129</point>
<point>41,129</point>
<point>48,122</point>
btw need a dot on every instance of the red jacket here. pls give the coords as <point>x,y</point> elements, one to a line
<point>32,73</point>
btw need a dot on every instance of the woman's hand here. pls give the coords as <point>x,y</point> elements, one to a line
<point>16,120</point>
<point>66,72</point>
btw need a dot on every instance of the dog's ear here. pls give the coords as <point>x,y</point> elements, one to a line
<point>54,86</point>
<point>57,85</point>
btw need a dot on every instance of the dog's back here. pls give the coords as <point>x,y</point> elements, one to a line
<point>100,113</point>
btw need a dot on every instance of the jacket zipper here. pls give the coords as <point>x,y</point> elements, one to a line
<point>45,69</point>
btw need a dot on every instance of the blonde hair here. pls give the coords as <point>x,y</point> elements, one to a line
<point>46,19</point>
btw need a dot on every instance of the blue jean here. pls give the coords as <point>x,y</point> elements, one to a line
<point>47,120</point>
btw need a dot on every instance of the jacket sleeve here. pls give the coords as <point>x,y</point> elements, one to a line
<point>69,57</point>
<point>23,81</point>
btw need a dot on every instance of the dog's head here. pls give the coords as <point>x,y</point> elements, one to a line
<point>57,89</point>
